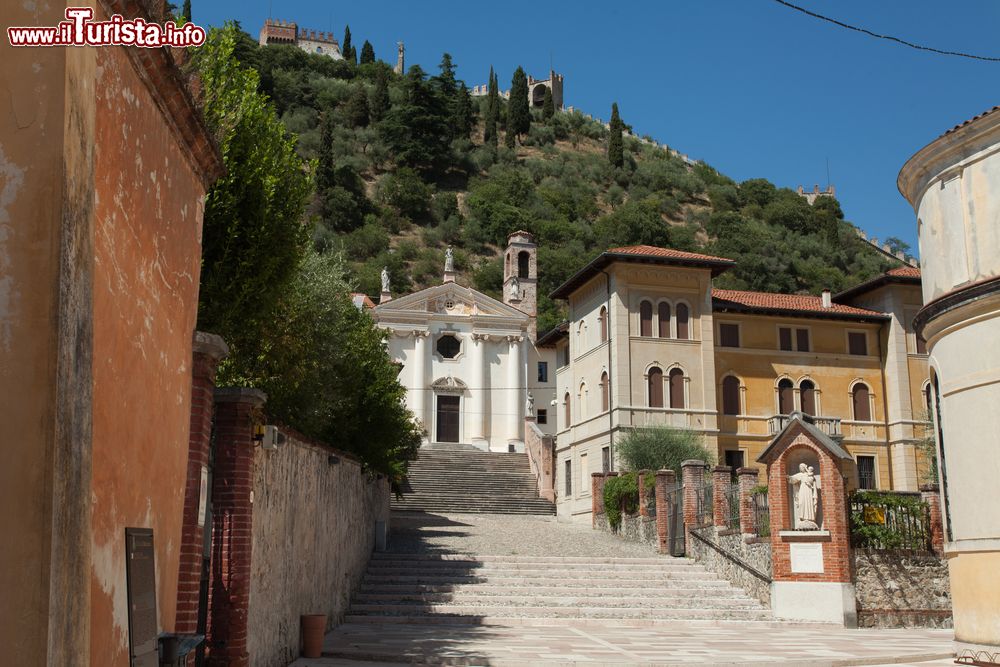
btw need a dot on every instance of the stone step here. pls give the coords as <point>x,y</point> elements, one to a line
<point>549,611</point>
<point>472,567</point>
<point>582,600</point>
<point>597,560</point>
<point>708,589</point>
<point>525,578</point>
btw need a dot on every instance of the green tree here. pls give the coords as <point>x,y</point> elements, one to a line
<point>416,129</point>
<point>356,110</point>
<point>253,235</point>
<point>346,49</point>
<point>463,117</point>
<point>446,82</point>
<point>616,154</point>
<point>405,190</point>
<point>186,11</point>
<point>895,244</point>
<point>492,111</point>
<point>380,97</point>
<point>548,106</point>
<point>518,113</point>
<point>661,448</point>
<point>367,53</point>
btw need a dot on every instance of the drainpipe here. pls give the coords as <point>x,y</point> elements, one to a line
<point>611,405</point>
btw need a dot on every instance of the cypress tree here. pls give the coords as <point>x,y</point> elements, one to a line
<point>518,114</point>
<point>548,106</point>
<point>492,111</point>
<point>345,48</point>
<point>186,11</point>
<point>380,98</point>
<point>356,109</point>
<point>508,138</point>
<point>463,117</point>
<point>367,53</point>
<point>615,154</point>
<point>446,81</point>
<point>325,173</point>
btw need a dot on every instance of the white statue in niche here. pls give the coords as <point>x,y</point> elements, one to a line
<point>529,406</point>
<point>385,279</point>
<point>805,498</point>
<point>515,288</point>
<point>449,260</point>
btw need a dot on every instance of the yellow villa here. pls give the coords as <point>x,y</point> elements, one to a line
<point>648,341</point>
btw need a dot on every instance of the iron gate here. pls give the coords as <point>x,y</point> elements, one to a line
<point>675,519</point>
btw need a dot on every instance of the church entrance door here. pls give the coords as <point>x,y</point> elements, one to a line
<point>447,418</point>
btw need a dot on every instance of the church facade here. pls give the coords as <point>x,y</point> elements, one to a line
<point>470,363</point>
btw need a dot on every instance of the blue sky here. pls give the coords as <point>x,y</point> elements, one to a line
<point>749,86</point>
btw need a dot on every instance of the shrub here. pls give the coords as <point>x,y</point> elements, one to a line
<point>621,493</point>
<point>661,447</point>
<point>407,193</point>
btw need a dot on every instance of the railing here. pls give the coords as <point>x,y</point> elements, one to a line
<point>733,505</point>
<point>761,514</point>
<point>828,425</point>
<point>704,516</point>
<point>885,521</point>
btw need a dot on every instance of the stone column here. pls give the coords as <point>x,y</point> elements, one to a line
<point>721,480</point>
<point>692,476</point>
<point>515,392</point>
<point>232,524</point>
<point>476,416</point>
<point>931,495</point>
<point>418,381</point>
<point>208,351</point>
<point>665,480</point>
<point>747,480</point>
<point>643,510</point>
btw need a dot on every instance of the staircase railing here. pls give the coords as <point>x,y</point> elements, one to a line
<point>541,449</point>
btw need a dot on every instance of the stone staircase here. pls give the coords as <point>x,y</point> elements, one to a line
<point>464,479</point>
<point>545,590</point>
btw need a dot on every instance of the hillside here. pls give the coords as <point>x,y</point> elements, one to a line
<point>403,170</point>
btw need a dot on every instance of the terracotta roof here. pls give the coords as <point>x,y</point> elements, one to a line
<point>906,275</point>
<point>788,304</point>
<point>971,120</point>
<point>653,251</point>
<point>641,254</point>
<point>361,301</point>
<point>552,336</point>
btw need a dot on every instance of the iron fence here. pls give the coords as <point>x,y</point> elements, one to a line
<point>885,521</point>
<point>704,514</point>
<point>761,514</point>
<point>733,507</point>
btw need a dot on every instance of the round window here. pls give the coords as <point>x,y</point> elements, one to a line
<point>448,346</point>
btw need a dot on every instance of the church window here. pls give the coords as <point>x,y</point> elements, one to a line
<point>449,304</point>
<point>655,388</point>
<point>663,315</point>
<point>645,318</point>
<point>786,397</point>
<point>448,346</point>
<point>682,321</point>
<point>676,388</point>
<point>523,259</point>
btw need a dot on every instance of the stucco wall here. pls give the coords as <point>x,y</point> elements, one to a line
<point>898,590</point>
<point>313,532</point>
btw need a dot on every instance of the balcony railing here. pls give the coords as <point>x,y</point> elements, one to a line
<point>828,425</point>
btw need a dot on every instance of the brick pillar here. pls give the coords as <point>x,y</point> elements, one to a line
<point>665,479</point>
<point>643,510</point>
<point>208,350</point>
<point>721,480</point>
<point>931,495</point>
<point>693,478</point>
<point>747,480</point>
<point>597,480</point>
<point>232,515</point>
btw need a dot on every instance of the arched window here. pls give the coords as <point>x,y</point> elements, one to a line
<point>862,405</point>
<point>682,321</point>
<point>604,391</point>
<point>583,401</point>
<point>507,265</point>
<point>927,400</point>
<point>663,315</point>
<point>786,397</point>
<point>655,388</point>
<point>677,388</point>
<point>807,395</point>
<point>604,324</point>
<point>522,264</point>
<point>566,409</point>
<point>645,319</point>
<point>731,395</point>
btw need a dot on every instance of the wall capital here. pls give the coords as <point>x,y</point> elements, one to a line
<point>255,397</point>
<point>211,345</point>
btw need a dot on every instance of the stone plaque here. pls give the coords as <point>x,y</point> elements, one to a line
<point>140,576</point>
<point>806,557</point>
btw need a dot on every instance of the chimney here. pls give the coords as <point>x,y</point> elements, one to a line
<point>827,299</point>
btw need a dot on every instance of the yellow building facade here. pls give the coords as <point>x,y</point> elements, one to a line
<point>649,341</point>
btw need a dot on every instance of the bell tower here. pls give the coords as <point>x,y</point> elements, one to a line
<point>520,277</point>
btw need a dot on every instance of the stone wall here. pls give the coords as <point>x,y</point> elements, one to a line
<point>314,514</point>
<point>640,529</point>
<point>897,590</point>
<point>755,554</point>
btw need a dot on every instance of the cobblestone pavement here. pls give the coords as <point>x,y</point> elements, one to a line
<point>540,643</point>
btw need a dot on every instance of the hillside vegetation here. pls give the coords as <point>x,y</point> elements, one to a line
<point>407,165</point>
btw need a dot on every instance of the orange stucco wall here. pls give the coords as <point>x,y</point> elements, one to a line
<point>147,258</point>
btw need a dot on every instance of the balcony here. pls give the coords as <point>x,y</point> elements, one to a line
<point>828,425</point>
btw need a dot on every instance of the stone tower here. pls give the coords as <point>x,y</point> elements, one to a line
<point>400,69</point>
<point>520,277</point>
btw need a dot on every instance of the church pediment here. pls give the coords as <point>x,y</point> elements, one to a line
<point>450,299</point>
<point>449,384</point>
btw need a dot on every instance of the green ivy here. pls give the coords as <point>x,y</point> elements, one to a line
<point>622,493</point>
<point>903,522</point>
